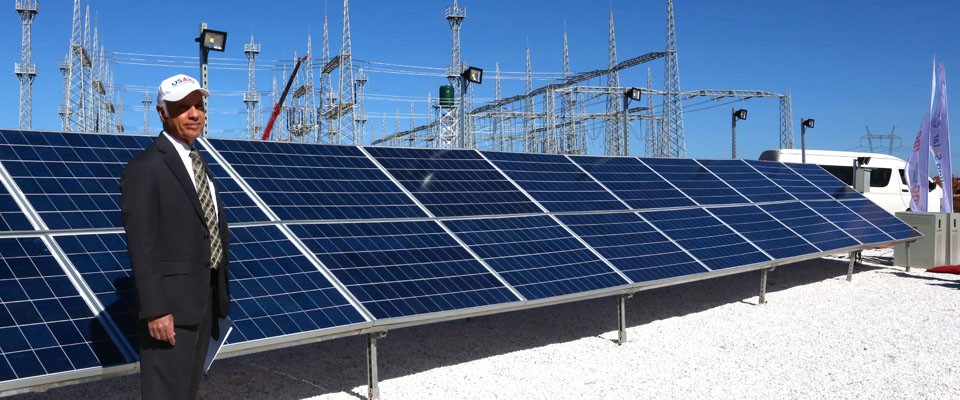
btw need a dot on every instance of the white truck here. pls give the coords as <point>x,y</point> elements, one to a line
<point>888,185</point>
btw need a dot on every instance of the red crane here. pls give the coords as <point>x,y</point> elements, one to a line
<point>279,105</point>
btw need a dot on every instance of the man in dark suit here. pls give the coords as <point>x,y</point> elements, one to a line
<point>177,240</point>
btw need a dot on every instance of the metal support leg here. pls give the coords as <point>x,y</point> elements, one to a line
<point>622,318</point>
<point>373,381</point>
<point>908,256</point>
<point>853,260</point>
<point>763,285</point>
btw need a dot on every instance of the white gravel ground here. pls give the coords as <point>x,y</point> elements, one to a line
<point>887,334</point>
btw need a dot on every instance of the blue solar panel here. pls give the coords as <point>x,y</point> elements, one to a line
<point>315,182</point>
<point>104,265</point>
<point>453,182</point>
<point>746,180</point>
<point>784,177</point>
<point>633,246</point>
<point>237,204</point>
<point>633,182</point>
<point>11,216</point>
<point>535,255</point>
<point>555,182</point>
<point>849,221</point>
<point>695,181</point>
<point>882,219</point>
<point>72,180</point>
<point>764,231</point>
<point>276,291</point>
<point>399,269</point>
<point>706,238</point>
<point>45,325</point>
<point>826,181</point>
<point>807,223</point>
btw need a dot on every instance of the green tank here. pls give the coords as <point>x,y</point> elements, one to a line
<point>447,94</point>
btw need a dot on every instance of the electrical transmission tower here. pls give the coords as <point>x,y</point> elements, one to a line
<point>251,99</point>
<point>146,100</point>
<point>673,145</point>
<point>26,70</point>
<point>448,111</point>
<point>891,137</point>
<point>360,113</point>
<point>613,135</point>
<point>338,108</point>
<point>302,114</point>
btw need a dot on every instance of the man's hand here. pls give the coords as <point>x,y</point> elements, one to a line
<point>161,328</point>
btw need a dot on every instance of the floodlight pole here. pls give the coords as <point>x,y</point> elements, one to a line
<point>624,150</point>
<point>733,134</point>
<point>734,116</point>
<point>203,79</point>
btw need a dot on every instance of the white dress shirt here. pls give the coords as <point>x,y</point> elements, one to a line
<point>183,150</point>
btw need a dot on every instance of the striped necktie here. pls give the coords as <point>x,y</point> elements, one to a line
<point>209,212</point>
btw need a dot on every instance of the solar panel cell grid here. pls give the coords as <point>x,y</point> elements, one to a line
<point>746,180</point>
<point>72,180</point>
<point>535,255</point>
<point>849,221</point>
<point>453,182</point>
<point>45,326</point>
<point>276,291</point>
<point>763,230</point>
<point>882,219</point>
<point>633,246</point>
<point>706,238</point>
<point>790,181</point>
<point>813,227</point>
<point>825,181</point>
<point>695,181</point>
<point>633,182</point>
<point>398,269</point>
<point>105,267</point>
<point>312,182</point>
<point>555,182</point>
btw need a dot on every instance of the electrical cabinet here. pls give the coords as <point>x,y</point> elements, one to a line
<point>930,250</point>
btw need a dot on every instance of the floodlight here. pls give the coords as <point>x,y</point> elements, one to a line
<point>212,40</point>
<point>740,114</point>
<point>807,122</point>
<point>473,75</point>
<point>633,93</point>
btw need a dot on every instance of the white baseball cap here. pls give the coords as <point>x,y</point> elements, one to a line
<point>177,87</point>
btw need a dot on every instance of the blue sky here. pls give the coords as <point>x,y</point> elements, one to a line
<point>847,64</point>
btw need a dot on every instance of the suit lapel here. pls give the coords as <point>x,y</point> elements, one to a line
<point>175,163</point>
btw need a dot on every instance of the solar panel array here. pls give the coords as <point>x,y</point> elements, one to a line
<point>333,240</point>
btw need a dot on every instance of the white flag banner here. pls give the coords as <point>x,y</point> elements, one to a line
<point>940,141</point>
<point>917,171</point>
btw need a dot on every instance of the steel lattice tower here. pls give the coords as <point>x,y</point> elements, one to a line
<point>573,140</point>
<point>346,125</point>
<point>325,133</point>
<point>529,122</point>
<point>451,131</point>
<point>251,98</point>
<point>359,112</point>
<point>499,137</point>
<point>786,122</point>
<point>676,145</point>
<point>146,100</point>
<point>302,117</point>
<point>651,138</point>
<point>64,109</point>
<point>120,127</point>
<point>26,70</point>
<point>613,138</point>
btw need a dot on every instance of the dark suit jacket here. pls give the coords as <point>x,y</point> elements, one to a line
<point>167,239</point>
